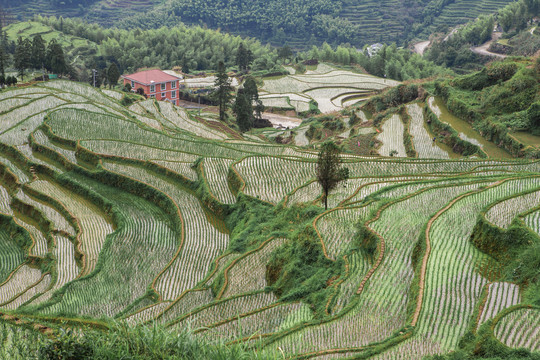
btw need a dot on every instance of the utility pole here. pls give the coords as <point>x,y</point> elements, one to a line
<point>94,71</point>
<point>199,104</point>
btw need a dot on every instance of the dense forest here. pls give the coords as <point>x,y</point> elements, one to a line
<point>299,24</point>
<point>195,49</point>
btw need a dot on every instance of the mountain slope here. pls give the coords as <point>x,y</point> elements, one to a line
<point>299,23</point>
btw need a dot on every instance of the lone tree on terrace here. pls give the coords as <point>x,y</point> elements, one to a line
<point>222,93</point>
<point>329,171</point>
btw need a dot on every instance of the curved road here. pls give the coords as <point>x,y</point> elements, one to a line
<point>483,49</point>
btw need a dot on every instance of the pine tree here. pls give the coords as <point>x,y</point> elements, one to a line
<point>243,110</point>
<point>113,74</point>
<point>252,92</point>
<point>329,172</point>
<point>3,61</point>
<point>23,54</point>
<point>244,57</point>
<point>38,52</point>
<point>222,93</point>
<point>56,62</point>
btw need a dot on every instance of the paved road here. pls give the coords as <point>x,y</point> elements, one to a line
<point>420,47</point>
<point>483,49</point>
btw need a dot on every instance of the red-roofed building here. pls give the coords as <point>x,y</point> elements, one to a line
<point>155,84</point>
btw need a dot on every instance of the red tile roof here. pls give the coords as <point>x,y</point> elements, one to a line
<point>151,77</point>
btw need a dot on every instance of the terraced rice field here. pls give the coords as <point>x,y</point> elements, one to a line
<point>392,138</point>
<point>331,89</point>
<point>150,215</point>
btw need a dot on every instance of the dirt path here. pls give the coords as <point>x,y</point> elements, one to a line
<point>420,47</point>
<point>483,49</point>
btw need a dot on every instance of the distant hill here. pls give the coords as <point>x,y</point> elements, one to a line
<point>298,23</point>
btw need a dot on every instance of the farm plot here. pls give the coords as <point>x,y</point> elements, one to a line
<point>185,303</point>
<point>346,78</point>
<point>338,228</point>
<point>357,266</point>
<point>79,125</point>
<point>201,242</point>
<point>18,172</point>
<point>39,243</point>
<point>42,139</point>
<point>59,221</point>
<point>228,309</point>
<point>215,173</point>
<point>391,167</point>
<point>324,96</point>
<point>502,214</point>
<point>66,266</point>
<point>273,318</point>
<point>94,224</point>
<point>140,114</point>
<point>386,293</point>
<point>22,279</point>
<point>139,151</point>
<point>501,295</point>
<point>264,176</point>
<point>9,104</point>
<point>392,137</point>
<point>11,254</point>
<point>276,102</point>
<point>533,221</point>
<point>298,101</point>
<point>330,90</point>
<point>84,90</point>
<point>248,273</point>
<point>180,119</point>
<point>28,294</point>
<point>519,329</point>
<point>415,348</point>
<point>18,115</point>
<point>423,144</point>
<point>147,313</point>
<point>27,152</point>
<point>452,283</point>
<point>113,94</point>
<point>5,201</point>
<point>135,254</point>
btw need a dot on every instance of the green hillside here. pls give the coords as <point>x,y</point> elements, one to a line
<point>153,213</point>
<point>299,23</point>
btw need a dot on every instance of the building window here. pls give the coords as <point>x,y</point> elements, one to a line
<point>173,85</point>
<point>152,88</point>
<point>152,96</point>
<point>163,95</point>
<point>133,84</point>
<point>173,94</point>
<point>163,87</point>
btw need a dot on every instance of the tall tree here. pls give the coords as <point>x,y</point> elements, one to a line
<point>38,52</point>
<point>113,74</point>
<point>252,92</point>
<point>243,109</point>
<point>244,57</point>
<point>329,170</point>
<point>56,62</point>
<point>3,60</point>
<point>222,93</point>
<point>23,55</point>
